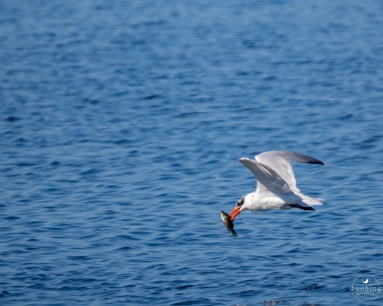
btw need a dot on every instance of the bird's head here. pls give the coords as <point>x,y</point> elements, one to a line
<point>237,208</point>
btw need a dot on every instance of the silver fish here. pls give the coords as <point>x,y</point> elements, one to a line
<point>226,219</point>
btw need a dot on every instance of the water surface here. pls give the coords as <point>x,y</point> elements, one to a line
<point>122,123</point>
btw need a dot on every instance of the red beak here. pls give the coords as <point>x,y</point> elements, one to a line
<point>235,212</point>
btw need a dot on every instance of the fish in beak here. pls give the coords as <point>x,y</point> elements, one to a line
<point>226,219</point>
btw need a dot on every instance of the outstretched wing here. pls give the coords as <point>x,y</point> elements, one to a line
<point>268,180</point>
<point>279,161</point>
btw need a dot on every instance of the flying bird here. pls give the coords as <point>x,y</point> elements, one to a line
<point>276,184</point>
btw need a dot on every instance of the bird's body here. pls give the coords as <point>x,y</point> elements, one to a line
<point>276,184</point>
<point>255,201</point>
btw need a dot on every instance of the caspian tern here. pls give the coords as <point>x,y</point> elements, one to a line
<point>276,184</point>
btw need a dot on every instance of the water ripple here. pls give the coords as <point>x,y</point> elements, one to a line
<point>121,129</point>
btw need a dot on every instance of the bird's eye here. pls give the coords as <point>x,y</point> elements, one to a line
<point>240,202</point>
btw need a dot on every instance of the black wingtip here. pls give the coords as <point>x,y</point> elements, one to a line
<point>317,162</point>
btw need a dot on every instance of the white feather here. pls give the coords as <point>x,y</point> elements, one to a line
<point>276,183</point>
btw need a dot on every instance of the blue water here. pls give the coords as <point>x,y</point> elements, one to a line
<point>122,123</point>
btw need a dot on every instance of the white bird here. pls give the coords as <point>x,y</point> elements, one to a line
<point>276,184</point>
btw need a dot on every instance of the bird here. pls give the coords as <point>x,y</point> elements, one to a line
<point>276,186</point>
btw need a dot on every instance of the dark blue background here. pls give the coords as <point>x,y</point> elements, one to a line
<point>122,123</point>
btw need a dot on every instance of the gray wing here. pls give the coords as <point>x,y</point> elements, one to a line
<point>279,161</point>
<point>268,180</point>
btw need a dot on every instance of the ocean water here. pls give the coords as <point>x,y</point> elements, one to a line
<point>121,126</point>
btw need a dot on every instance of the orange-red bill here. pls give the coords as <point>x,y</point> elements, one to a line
<point>235,212</point>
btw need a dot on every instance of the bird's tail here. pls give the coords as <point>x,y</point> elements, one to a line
<point>307,201</point>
